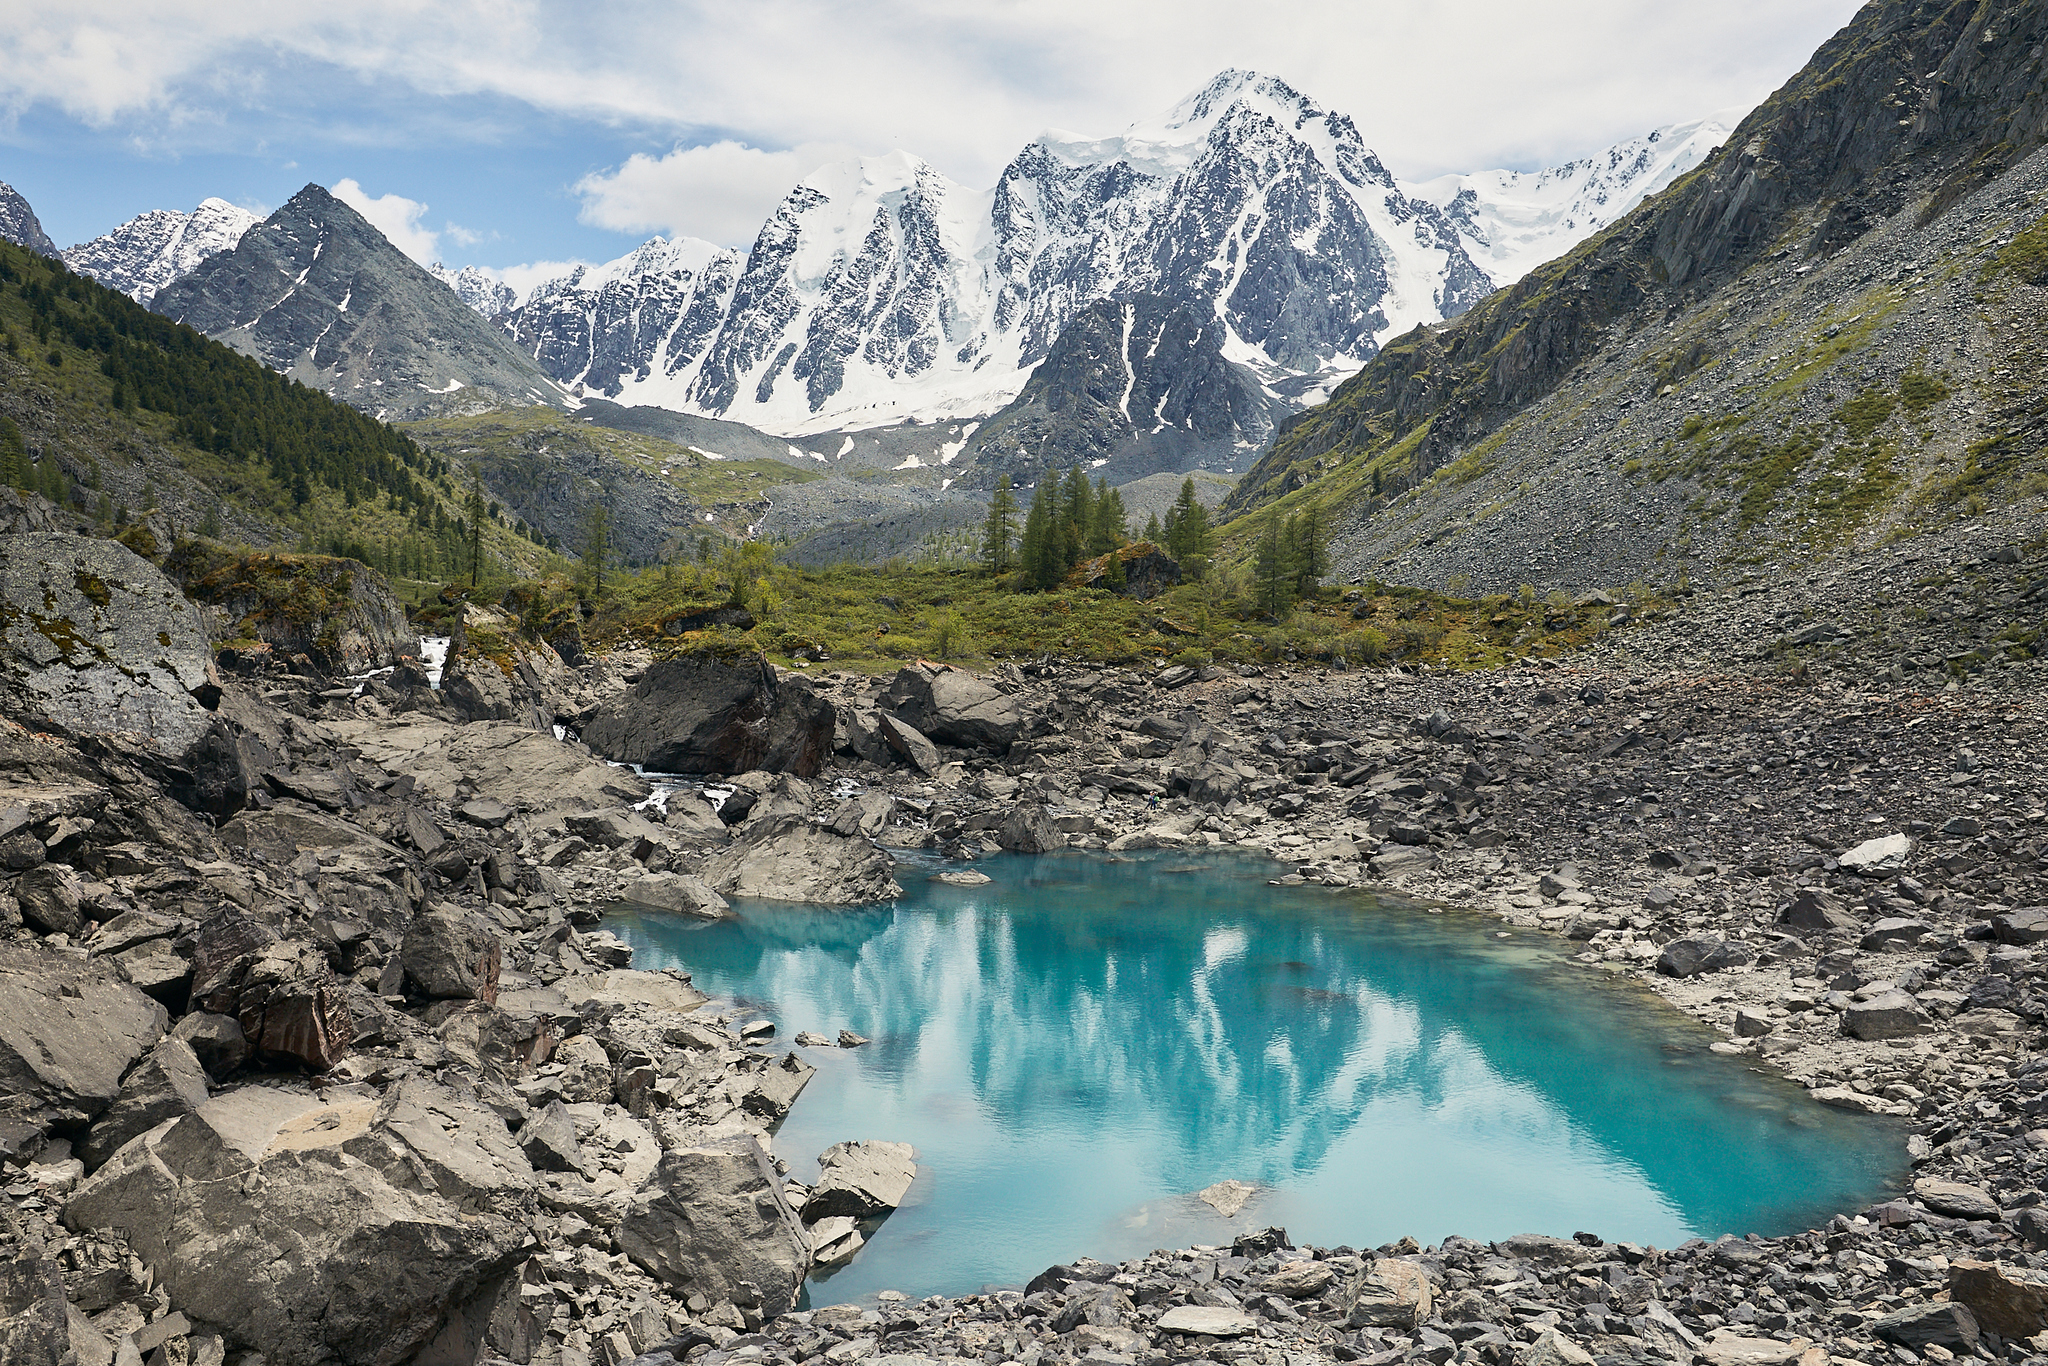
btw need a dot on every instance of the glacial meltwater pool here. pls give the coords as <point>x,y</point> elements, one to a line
<point>1082,1043</point>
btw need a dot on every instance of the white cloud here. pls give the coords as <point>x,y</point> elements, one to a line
<point>963,83</point>
<point>397,217</point>
<point>722,191</point>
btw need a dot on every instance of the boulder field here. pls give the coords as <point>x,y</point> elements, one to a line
<point>314,1049</point>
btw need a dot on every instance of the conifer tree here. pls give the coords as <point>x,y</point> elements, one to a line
<point>1307,548</point>
<point>476,527</point>
<point>1273,571</point>
<point>1109,531</point>
<point>999,532</point>
<point>1044,530</point>
<point>1152,531</point>
<point>597,546</point>
<point>1188,538</point>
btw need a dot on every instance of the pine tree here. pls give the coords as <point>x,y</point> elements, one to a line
<point>597,546</point>
<point>1188,538</point>
<point>1152,531</point>
<point>1077,521</point>
<point>999,531</point>
<point>1109,529</point>
<point>1307,549</point>
<point>476,528</point>
<point>14,464</point>
<point>1273,571</point>
<point>1044,531</point>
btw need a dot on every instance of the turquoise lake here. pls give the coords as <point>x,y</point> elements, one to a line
<point>1082,1043</point>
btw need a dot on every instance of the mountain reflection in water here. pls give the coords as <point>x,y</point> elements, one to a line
<point>1081,1043</point>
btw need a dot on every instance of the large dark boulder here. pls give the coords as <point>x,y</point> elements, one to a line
<point>1148,571</point>
<point>955,707</point>
<point>712,1219</point>
<point>704,713</point>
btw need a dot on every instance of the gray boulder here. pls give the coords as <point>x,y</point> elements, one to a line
<point>1920,1326</point>
<point>1028,829</point>
<point>1694,956</point>
<point>2027,925</point>
<point>337,1232</point>
<point>675,894</point>
<point>699,713</point>
<point>1889,1015</point>
<point>166,1084</point>
<point>1815,911</point>
<point>799,861</point>
<point>49,899</point>
<point>447,955</point>
<point>94,638</point>
<point>33,1324</point>
<point>908,743</point>
<point>860,1179</point>
<point>1955,1199</point>
<point>776,1088</point>
<point>956,707</point>
<point>712,1219</point>
<point>549,1140</point>
<point>336,611</point>
<point>1391,1293</point>
<point>69,1031</point>
<point>216,1041</point>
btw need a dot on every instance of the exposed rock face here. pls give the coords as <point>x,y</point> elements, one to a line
<point>698,713</point>
<point>498,761</point>
<point>94,638</point>
<point>794,860</point>
<point>955,707</point>
<point>315,292</point>
<point>337,1232</point>
<point>19,224</point>
<point>1140,383</point>
<point>69,1031</point>
<point>166,1084</point>
<point>339,612</point>
<point>1148,571</point>
<point>712,1218</point>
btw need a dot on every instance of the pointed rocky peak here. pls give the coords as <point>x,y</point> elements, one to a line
<point>18,222</point>
<point>317,292</point>
<point>478,288</point>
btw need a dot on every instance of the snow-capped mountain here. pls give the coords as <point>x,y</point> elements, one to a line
<point>153,249</point>
<point>1513,221</point>
<point>620,325</point>
<point>19,224</point>
<point>880,289</point>
<point>482,291</point>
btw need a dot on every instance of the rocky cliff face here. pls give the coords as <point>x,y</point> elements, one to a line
<point>1130,388</point>
<point>486,294</point>
<point>1827,331</point>
<point>148,252</point>
<point>316,292</point>
<point>18,222</point>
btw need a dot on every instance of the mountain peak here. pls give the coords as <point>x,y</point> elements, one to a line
<point>19,224</point>
<point>147,253</point>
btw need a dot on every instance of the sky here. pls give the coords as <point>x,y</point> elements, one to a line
<point>520,134</point>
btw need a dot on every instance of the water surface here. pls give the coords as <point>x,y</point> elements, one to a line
<point>1080,1044</point>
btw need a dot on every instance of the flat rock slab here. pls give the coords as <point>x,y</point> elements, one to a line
<point>1955,1200</point>
<point>861,1178</point>
<point>624,987</point>
<point>1208,1321</point>
<point>1226,1197</point>
<point>1730,1349</point>
<point>2010,1301</point>
<point>69,1031</point>
<point>506,763</point>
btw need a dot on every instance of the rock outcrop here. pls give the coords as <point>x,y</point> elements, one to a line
<point>795,860</point>
<point>94,638</point>
<point>712,1219</point>
<point>955,707</point>
<point>339,613</point>
<point>703,713</point>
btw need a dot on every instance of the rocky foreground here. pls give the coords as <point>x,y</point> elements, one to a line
<point>313,1048</point>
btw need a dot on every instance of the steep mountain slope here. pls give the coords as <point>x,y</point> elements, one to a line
<point>18,222</point>
<point>148,252</point>
<point>881,289</point>
<point>1130,388</point>
<point>1513,221</point>
<point>315,292</point>
<point>135,422</point>
<point>1830,333</point>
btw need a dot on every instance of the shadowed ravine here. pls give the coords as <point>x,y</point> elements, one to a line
<point>1079,1044</point>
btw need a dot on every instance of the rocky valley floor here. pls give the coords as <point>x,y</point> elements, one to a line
<point>313,1047</point>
